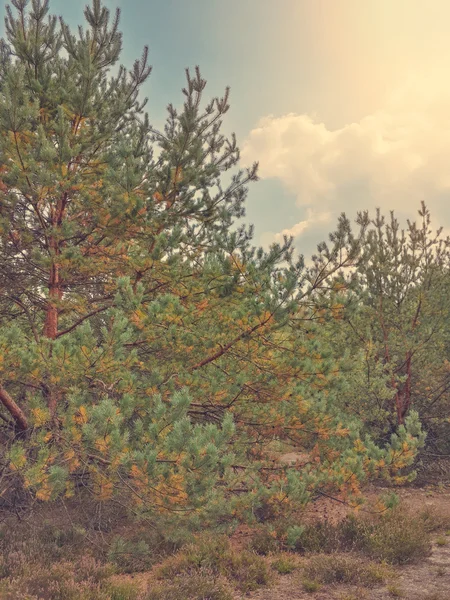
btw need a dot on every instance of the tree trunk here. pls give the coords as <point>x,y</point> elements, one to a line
<point>403,396</point>
<point>17,414</point>
<point>55,295</point>
<point>51,327</point>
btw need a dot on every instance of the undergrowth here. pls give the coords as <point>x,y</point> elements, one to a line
<point>64,561</point>
<point>396,537</point>
<point>247,570</point>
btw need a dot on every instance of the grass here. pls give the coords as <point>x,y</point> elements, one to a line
<point>441,541</point>
<point>345,568</point>
<point>200,585</point>
<point>284,565</point>
<point>247,570</point>
<point>264,541</point>
<point>123,591</point>
<point>434,521</point>
<point>311,586</point>
<point>394,591</point>
<point>62,561</point>
<point>83,580</point>
<point>396,537</point>
<point>360,595</point>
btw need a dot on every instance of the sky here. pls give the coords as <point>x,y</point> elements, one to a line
<point>344,103</point>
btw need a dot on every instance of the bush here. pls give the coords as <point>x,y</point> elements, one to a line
<point>343,568</point>
<point>284,565</point>
<point>397,537</point>
<point>247,569</point>
<point>319,537</point>
<point>200,585</point>
<point>311,586</point>
<point>264,541</point>
<point>433,520</point>
<point>122,591</point>
<point>139,552</point>
<point>83,580</point>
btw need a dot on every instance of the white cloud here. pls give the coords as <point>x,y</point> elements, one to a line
<point>392,158</point>
<point>312,220</point>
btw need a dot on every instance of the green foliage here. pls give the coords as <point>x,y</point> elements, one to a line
<point>394,318</point>
<point>284,565</point>
<point>311,586</point>
<point>140,551</point>
<point>149,353</point>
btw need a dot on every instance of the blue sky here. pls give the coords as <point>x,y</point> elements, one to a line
<point>344,102</point>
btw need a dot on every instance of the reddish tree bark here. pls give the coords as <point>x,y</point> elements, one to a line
<point>54,296</point>
<point>55,292</point>
<point>17,414</point>
<point>403,396</point>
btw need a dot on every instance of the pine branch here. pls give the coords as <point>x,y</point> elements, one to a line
<point>14,410</point>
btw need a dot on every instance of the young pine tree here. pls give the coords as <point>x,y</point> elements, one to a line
<point>396,316</point>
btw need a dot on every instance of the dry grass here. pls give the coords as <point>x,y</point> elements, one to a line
<point>345,568</point>
<point>247,570</point>
<point>200,585</point>
<point>284,564</point>
<point>60,561</point>
<point>397,536</point>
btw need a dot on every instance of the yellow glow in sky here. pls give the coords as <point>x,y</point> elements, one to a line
<point>365,49</point>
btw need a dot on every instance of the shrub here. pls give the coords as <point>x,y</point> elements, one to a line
<point>140,552</point>
<point>394,591</point>
<point>324,537</point>
<point>311,586</point>
<point>264,541</point>
<point>284,565</point>
<point>433,520</point>
<point>247,569</point>
<point>200,585</point>
<point>319,537</point>
<point>66,581</point>
<point>344,568</point>
<point>397,538</point>
<point>130,557</point>
<point>204,553</point>
<point>122,591</point>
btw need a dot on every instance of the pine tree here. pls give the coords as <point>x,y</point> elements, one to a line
<point>74,155</point>
<point>396,314</point>
<point>148,349</point>
<point>78,171</point>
